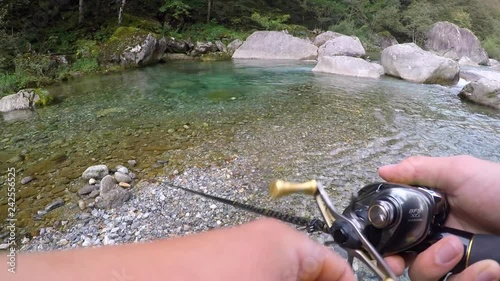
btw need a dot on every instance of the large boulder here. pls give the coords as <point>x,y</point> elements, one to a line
<point>473,74</point>
<point>344,65</point>
<point>276,45</point>
<point>132,47</point>
<point>24,99</point>
<point>325,37</point>
<point>410,62</point>
<point>451,41</point>
<point>385,39</point>
<point>342,46</point>
<point>484,91</point>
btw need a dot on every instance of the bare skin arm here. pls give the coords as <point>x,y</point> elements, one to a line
<point>261,250</point>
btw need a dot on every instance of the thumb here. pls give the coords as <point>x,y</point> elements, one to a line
<point>428,171</point>
<point>437,260</point>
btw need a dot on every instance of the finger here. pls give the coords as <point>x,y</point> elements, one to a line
<point>486,270</point>
<point>428,171</point>
<point>397,264</point>
<point>319,263</point>
<point>437,260</point>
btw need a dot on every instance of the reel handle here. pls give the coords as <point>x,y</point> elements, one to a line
<point>282,188</point>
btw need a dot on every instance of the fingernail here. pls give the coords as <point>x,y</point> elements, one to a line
<point>447,252</point>
<point>486,276</point>
<point>388,166</point>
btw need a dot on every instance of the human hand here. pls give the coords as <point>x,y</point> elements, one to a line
<point>285,254</point>
<point>471,186</point>
<point>264,250</point>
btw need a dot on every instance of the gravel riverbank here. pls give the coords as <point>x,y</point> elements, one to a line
<point>158,210</point>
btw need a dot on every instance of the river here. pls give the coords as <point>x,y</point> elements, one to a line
<point>284,120</point>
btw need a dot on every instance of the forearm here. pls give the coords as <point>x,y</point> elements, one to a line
<point>214,255</point>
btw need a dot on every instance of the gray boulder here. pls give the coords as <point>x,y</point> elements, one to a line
<point>140,54</point>
<point>465,61</point>
<point>484,91</point>
<point>385,39</point>
<point>494,64</point>
<point>178,46</point>
<point>111,194</point>
<point>24,99</point>
<point>132,47</point>
<point>95,172</point>
<point>233,46</point>
<point>344,65</point>
<point>451,41</point>
<point>410,62</point>
<point>342,46</point>
<point>473,74</point>
<point>204,48</point>
<point>221,46</point>
<point>276,45</point>
<point>325,37</point>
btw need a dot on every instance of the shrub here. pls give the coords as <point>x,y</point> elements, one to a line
<point>492,45</point>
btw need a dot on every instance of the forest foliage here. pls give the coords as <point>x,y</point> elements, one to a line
<point>79,27</point>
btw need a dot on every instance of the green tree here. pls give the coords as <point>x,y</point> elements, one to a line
<point>418,19</point>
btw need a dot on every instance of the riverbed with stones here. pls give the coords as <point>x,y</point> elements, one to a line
<point>226,128</point>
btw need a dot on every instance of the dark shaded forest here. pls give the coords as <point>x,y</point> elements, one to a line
<point>78,27</point>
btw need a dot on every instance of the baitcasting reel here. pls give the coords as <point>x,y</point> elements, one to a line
<point>388,218</point>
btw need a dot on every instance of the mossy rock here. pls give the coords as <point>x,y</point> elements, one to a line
<point>121,39</point>
<point>44,98</point>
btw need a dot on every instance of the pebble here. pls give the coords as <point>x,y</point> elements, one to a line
<point>62,242</point>
<point>124,185</point>
<point>132,162</point>
<point>54,205</point>
<point>4,246</point>
<point>81,205</point>
<point>92,181</point>
<point>122,169</point>
<point>213,206</point>
<point>26,180</point>
<point>121,177</point>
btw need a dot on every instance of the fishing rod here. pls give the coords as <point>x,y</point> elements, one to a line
<point>383,219</point>
<point>311,225</point>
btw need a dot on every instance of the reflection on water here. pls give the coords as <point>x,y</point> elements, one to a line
<point>284,119</point>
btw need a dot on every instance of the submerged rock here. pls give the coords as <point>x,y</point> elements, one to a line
<point>276,45</point>
<point>95,172</point>
<point>410,62</point>
<point>54,205</point>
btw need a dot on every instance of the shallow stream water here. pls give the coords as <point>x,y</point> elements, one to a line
<point>281,118</point>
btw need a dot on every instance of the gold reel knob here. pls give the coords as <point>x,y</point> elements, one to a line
<point>281,188</point>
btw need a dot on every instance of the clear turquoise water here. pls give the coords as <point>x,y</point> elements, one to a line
<point>279,116</point>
